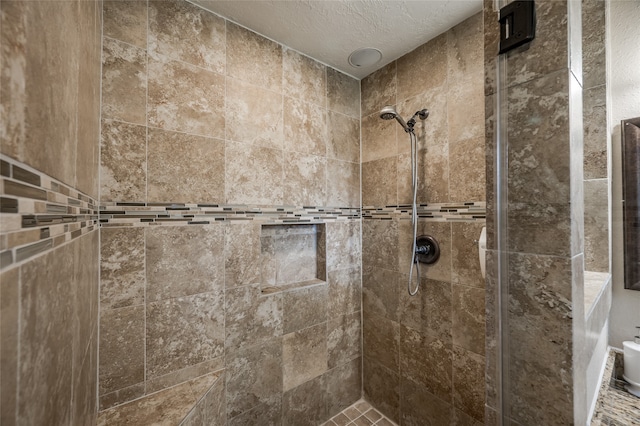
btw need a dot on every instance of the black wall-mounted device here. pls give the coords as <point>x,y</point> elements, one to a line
<point>517,24</point>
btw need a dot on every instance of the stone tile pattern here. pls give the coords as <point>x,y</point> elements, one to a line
<point>424,355</point>
<point>180,91</point>
<point>48,214</point>
<point>549,192</point>
<point>39,213</point>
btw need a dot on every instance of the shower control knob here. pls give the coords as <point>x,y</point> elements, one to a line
<point>427,249</point>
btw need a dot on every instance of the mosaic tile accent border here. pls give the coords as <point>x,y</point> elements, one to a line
<point>437,212</point>
<point>38,213</point>
<point>145,214</point>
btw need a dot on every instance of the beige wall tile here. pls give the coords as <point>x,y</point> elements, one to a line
<point>185,168</point>
<point>381,387</point>
<point>122,352</point>
<point>468,382</point>
<point>378,89</point>
<point>184,331</point>
<point>269,411</point>
<point>382,291</point>
<point>344,339</point>
<point>380,244</point>
<point>124,82</point>
<point>423,69</point>
<point>305,404</point>
<point>185,98</point>
<point>343,184</point>
<point>427,361</point>
<point>253,175</point>
<point>305,127</point>
<point>343,386</point>
<point>89,72</point>
<point>465,51</point>
<point>467,174</point>
<point>123,162</point>
<point>596,225</point>
<point>188,33</point>
<point>251,318</point>
<point>345,290</point>
<point>304,355</point>
<point>184,260</point>
<point>304,78</point>
<point>429,311</point>
<point>379,185</point>
<point>305,180</point>
<point>253,59</point>
<point>304,307</point>
<point>594,43</point>
<point>419,406</point>
<point>9,333</point>
<point>122,270</point>
<point>465,110</point>
<point>381,340</point>
<point>432,131</point>
<point>595,132</point>
<point>378,138</point>
<point>242,254</point>
<point>548,52</point>
<point>343,142</point>
<point>343,93</point>
<point>343,244</point>
<point>465,266</point>
<point>441,231</point>
<point>126,20</point>
<point>468,327</point>
<point>254,115</point>
<point>254,378</point>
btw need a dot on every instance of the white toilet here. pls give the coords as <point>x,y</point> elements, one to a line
<point>632,365</point>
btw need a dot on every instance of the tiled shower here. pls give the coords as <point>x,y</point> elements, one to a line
<point>193,210</point>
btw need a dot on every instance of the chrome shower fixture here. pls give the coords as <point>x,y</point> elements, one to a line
<point>389,113</point>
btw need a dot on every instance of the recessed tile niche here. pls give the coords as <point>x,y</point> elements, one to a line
<point>293,256</point>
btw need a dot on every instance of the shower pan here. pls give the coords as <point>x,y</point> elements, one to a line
<point>425,249</point>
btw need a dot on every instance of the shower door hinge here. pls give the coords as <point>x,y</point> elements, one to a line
<point>517,24</point>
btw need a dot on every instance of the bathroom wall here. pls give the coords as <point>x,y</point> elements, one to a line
<point>625,103</point>
<point>49,140</point>
<point>424,355</point>
<point>541,275</point>
<point>210,132</point>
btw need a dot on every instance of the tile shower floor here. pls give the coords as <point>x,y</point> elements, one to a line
<point>359,414</point>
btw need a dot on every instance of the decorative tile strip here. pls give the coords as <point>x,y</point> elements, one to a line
<point>436,212</point>
<point>38,212</point>
<point>146,214</point>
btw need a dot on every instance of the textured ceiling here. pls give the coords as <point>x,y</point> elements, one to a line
<point>329,30</point>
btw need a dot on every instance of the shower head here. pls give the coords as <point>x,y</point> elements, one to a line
<point>389,113</point>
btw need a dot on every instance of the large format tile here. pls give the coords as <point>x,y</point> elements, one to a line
<point>468,382</point>
<point>122,272</point>
<point>427,361</point>
<point>596,225</point>
<point>122,354</point>
<point>242,254</point>
<point>126,20</point>
<point>304,307</point>
<point>254,114</point>
<point>594,65</point>
<point>465,54</point>
<point>182,260</point>
<point>46,358</point>
<point>343,93</point>
<point>124,82</point>
<point>381,387</point>
<point>188,33</point>
<point>305,179</point>
<point>465,110</point>
<point>253,175</point>
<point>253,377</point>
<point>251,318</point>
<point>343,184</point>
<point>343,141</point>
<point>379,182</point>
<point>343,339</point>
<point>595,132</point>
<point>380,244</point>
<point>343,386</point>
<point>467,175</point>
<point>123,161</point>
<point>304,355</point>
<point>411,68</point>
<point>378,138</point>
<point>421,408</point>
<point>184,168</point>
<point>305,127</point>
<point>343,244</point>
<point>184,98</point>
<point>430,310</point>
<point>304,78</point>
<point>378,89</point>
<point>253,59</point>
<point>9,313</point>
<point>468,318</point>
<point>305,404</point>
<point>465,268</point>
<point>381,340</point>
<point>345,291</point>
<point>382,291</point>
<point>184,331</point>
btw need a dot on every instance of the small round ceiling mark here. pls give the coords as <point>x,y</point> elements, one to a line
<point>365,57</point>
